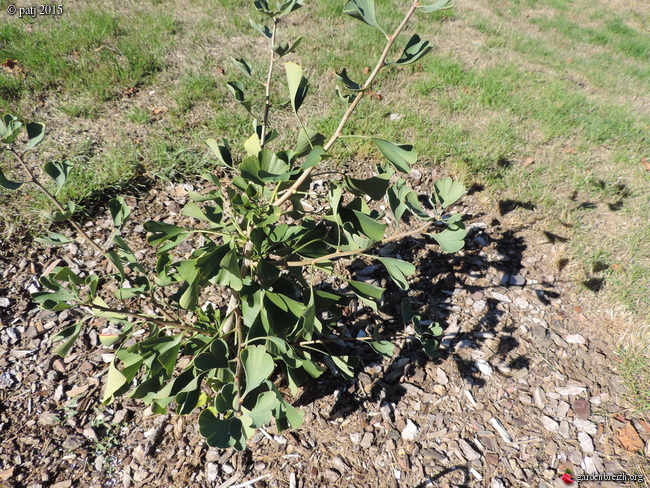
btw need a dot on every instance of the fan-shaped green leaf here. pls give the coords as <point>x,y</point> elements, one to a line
<point>440,5</point>
<point>398,270</point>
<point>307,140</point>
<point>8,184</point>
<point>298,85</point>
<point>374,187</point>
<point>414,50</point>
<point>264,30</point>
<point>35,133</point>
<point>447,191</point>
<point>258,366</point>
<point>451,239</point>
<point>400,156</point>
<point>349,84</point>
<point>237,89</point>
<point>363,10</point>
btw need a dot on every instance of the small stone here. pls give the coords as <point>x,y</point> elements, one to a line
<point>439,390</point>
<point>259,466</point>
<point>575,457</point>
<point>497,483</point>
<point>539,397</point>
<point>479,305</point>
<point>575,339</point>
<point>484,367</point>
<point>410,431</point>
<point>62,484</point>
<point>498,426</point>
<point>367,440</point>
<point>582,409</point>
<point>589,466</point>
<point>356,438</point>
<point>585,426</point>
<point>331,475</point>
<point>522,303</point>
<point>550,424</point>
<point>501,297</point>
<point>4,302</point>
<point>227,468</point>
<point>562,409</point>
<point>441,377</point>
<point>565,430</point>
<point>72,442</point>
<point>513,280</point>
<point>477,295</point>
<point>570,390</point>
<point>211,472</point>
<point>586,443</point>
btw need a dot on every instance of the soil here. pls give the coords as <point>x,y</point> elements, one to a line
<point>525,389</point>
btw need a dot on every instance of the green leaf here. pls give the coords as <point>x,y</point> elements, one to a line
<point>374,187</point>
<point>263,410</point>
<point>220,433</point>
<point>415,49</point>
<point>9,185</point>
<point>440,5</point>
<point>53,239</point>
<point>290,6</point>
<point>447,191</point>
<point>264,167</point>
<point>216,357</point>
<point>9,128</point>
<point>221,152</point>
<point>314,157</point>
<point>370,294</point>
<point>264,30</point>
<point>385,348</point>
<point>253,145</point>
<point>294,416</point>
<point>285,48</point>
<point>345,97</point>
<point>120,211</point>
<point>370,227</point>
<point>298,85</point>
<point>413,204</point>
<point>398,270</point>
<point>400,156</point>
<point>237,89</point>
<point>452,239</point>
<point>307,140</point>
<point>117,382</point>
<point>225,399</point>
<point>258,366</point>
<point>343,367</point>
<point>349,84</point>
<point>35,133</point>
<point>363,10</point>
<point>162,232</point>
<point>69,335</point>
<point>244,67</point>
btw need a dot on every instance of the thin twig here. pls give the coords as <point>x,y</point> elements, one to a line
<point>267,104</point>
<point>341,254</point>
<point>251,482</point>
<point>346,116</point>
<point>153,320</point>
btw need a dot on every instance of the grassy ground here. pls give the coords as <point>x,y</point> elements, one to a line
<point>543,102</point>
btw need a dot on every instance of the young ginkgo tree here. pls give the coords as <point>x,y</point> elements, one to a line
<point>282,266</point>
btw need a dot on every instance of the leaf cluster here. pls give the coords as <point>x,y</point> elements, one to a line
<point>281,263</point>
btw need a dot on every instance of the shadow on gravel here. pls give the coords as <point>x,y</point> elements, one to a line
<point>489,252</point>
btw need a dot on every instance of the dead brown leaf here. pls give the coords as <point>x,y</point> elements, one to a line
<point>629,438</point>
<point>156,111</point>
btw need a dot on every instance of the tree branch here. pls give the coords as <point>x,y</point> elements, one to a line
<point>346,116</point>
